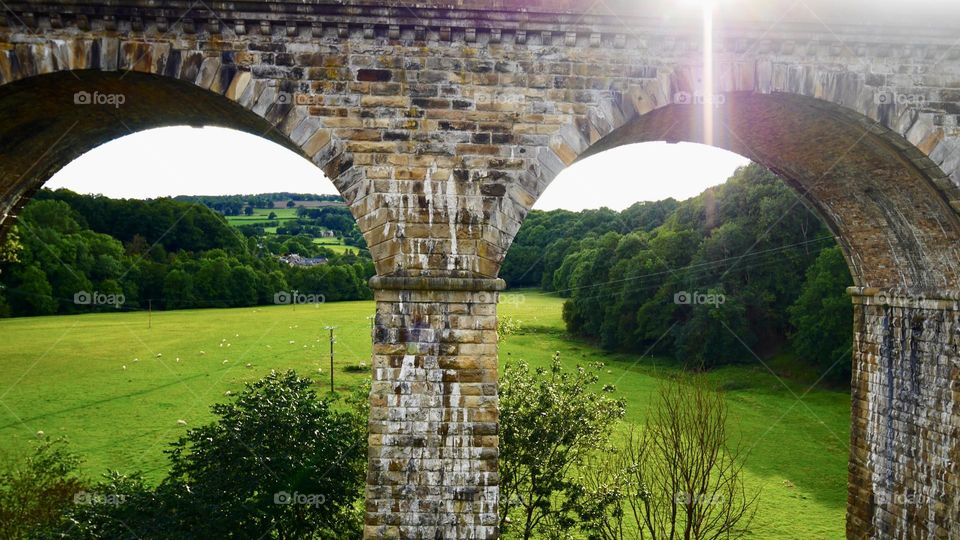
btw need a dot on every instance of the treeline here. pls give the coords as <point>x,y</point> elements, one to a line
<point>71,253</point>
<point>744,268</point>
<point>234,205</point>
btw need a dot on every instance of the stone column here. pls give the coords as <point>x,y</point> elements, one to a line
<point>904,472</point>
<point>432,469</point>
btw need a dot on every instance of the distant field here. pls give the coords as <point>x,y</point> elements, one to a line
<point>65,376</point>
<point>261,215</point>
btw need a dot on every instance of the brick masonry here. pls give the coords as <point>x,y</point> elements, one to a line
<point>441,125</point>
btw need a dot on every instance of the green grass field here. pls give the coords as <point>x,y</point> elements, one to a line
<point>261,215</point>
<point>116,388</point>
<point>335,245</point>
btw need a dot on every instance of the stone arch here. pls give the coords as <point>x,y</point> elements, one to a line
<point>891,207</point>
<point>47,124</point>
<point>894,212</point>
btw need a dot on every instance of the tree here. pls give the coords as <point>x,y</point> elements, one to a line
<point>32,294</point>
<point>550,420</point>
<point>291,204</point>
<point>273,215</point>
<point>35,491</point>
<point>680,477</point>
<point>278,463</point>
<point>822,316</point>
<point>248,210</point>
<point>10,246</point>
<point>178,290</point>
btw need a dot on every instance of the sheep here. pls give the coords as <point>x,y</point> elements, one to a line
<point>181,422</point>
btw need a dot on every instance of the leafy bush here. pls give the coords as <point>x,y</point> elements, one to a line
<point>35,491</point>
<point>550,420</point>
<point>278,463</point>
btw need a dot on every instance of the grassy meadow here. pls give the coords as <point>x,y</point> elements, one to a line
<point>116,385</point>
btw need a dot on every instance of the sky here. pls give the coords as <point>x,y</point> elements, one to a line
<point>218,161</point>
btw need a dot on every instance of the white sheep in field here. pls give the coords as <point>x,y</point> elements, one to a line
<point>40,434</point>
<point>159,354</point>
<point>181,422</point>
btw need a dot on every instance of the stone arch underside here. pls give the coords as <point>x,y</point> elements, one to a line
<point>895,214</point>
<point>44,128</point>
<point>888,205</point>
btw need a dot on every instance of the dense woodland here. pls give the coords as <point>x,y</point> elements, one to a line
<point>163,253</point>
<point>744,268</point>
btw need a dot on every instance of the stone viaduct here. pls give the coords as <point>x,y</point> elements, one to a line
<point>442,121</point>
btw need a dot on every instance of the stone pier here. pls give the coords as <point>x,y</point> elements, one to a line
<point>433,409</point>
<point>905,439</point>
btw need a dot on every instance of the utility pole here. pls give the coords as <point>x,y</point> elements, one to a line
<point>332,341</point>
